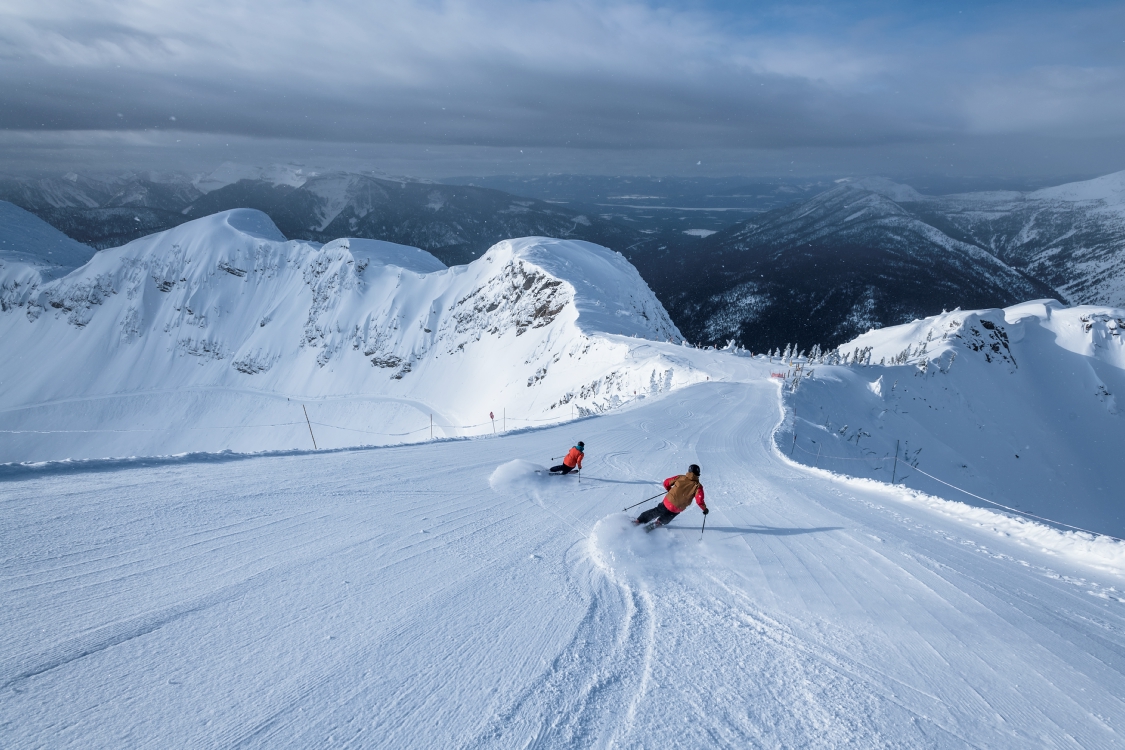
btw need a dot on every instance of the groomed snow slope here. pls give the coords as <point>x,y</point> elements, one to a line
<point>214,334</point>
<point>1018,406</point>
<point>397,597</point>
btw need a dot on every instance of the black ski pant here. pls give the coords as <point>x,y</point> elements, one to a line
<point>659,513</point>
<point>562,468</point>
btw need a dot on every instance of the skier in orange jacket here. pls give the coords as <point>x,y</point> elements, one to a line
<point>572,461</point>
<point>682,489</point>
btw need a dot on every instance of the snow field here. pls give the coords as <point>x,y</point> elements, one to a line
<point>442,595</point>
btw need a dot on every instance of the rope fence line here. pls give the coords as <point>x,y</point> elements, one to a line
<point>528,419</point>
<point>370,432</point>
<point>971,494</point>
<point>1014,510</point>
<point>491,422</point>
<point>149,429</point>
<point>436,424</point>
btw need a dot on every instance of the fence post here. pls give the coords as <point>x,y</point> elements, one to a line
<point>431,426</point>
<point>306,411</point>
<point>794,431</point>
<point>817,464</point>
<point>894,471</point>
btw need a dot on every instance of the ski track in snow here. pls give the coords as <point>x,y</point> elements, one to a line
<point>393,598</point>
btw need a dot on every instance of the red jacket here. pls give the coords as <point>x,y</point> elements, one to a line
<point>573,458</point>
<point>670,504</point>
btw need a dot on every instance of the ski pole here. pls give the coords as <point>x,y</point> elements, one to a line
<point>702,528</point>
<point>634,505</point>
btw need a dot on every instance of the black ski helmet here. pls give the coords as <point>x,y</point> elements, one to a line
<point>693,469</point>
<point>581,444</point>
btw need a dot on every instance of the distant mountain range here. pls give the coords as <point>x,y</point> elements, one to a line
<point>104,211</point>
<point>872,253</point>
<point>32,252</point>
<point>454,222</point>
<point>824,264</point>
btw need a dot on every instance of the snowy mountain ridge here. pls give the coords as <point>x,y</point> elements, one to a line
<point>1070,236</point>
<point>542,328</point>
<point>1019,406</point>
<point>1109,188</point>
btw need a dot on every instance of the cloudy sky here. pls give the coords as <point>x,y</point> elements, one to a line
<point>436,88</point>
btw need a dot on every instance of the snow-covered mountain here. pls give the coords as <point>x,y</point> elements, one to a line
<point>872,252</point>
<point>867,253</point>
<point>1019,406</point>
<point>828,268</point>
<point>229,173</point>
<point>456,223</point>
<point>67,191</point>
<point>31,252</point>
<point>1071,236</point>
<point>104,211</point>
<point>170,191</point>
<point>185,339</point>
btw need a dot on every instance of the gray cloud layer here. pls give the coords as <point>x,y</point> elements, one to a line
<point>592,76</point>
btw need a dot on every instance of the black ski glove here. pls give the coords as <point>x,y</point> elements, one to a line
<point>706,511</point>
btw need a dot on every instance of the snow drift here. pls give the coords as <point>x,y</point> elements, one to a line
<point>206,337</point>
<point>1018,406</point>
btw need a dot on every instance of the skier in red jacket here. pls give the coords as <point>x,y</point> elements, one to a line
<point>572,461</point>
<point>682,489</point>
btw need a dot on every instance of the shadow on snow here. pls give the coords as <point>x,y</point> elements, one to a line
<point>769,530</point>
<point>649,482</point>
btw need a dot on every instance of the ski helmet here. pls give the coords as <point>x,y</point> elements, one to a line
<point>694,469</point>
<point>581,445</point>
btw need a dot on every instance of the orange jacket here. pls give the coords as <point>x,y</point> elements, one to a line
<point>573,458</point>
